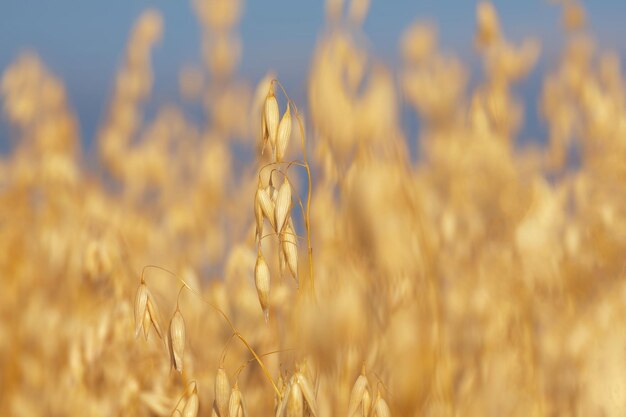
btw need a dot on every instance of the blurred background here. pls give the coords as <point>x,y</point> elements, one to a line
<point>458,247</point>
<point>83,42</point>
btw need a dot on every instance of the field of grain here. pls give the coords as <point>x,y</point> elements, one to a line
<point>295,258</point>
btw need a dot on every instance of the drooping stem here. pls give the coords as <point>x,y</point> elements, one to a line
<point>228,321</point>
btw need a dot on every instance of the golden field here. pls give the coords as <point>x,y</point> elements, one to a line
<point>293,259</point>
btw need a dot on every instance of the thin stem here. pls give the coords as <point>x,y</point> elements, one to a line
<point>246,363</point>
<point>230,324</point>
<point>178,296</point>
<point>225,350</point>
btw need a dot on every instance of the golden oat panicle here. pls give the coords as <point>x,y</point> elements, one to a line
<point>176,339</point>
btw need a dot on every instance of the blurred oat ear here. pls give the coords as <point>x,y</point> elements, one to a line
<point>222,393</point>
<point>357,11</point>
<point>334,10</point>
<point>381,409</point>
<point>488,24</point>
<point>366,403</point>
<point>358,393</point>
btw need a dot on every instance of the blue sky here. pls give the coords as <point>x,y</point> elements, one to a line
<point>82,41</point>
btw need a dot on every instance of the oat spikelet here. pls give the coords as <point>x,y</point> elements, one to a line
<point>283,205</point>
<point>192,405</point>
<point>284,133</point>
<point>222,392</point>
<point>381,409</point>
<point>262,282</point>
<point>236,406</point>
<point>282,402</point>
<point>366,403</point>
<point>146,324</point>
<point>176,339</point>
<point>307,392</point>
<point>264,201</point>
<point>271,116</point>
<point>290,249</point>
<point>154,316</point>
<point>295,403</point>
<point>357,394</point>
<point>178,411</point>
<point>141,304</point>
